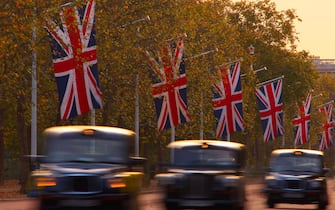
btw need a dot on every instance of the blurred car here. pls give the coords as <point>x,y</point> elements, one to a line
<point>296,176</point>
<point>87,167</point>
<point>204,174</point>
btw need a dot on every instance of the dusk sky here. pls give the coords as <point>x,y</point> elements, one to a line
<point>317,29</point>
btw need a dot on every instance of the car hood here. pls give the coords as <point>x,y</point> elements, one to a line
<point>199,171</point>
<point>96,168</point>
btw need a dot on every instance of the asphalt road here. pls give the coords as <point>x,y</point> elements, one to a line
<point>152,201</point>
<point>255,200</point>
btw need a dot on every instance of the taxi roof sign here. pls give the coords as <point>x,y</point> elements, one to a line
<point>298,152</point>
<point>204,145</point>
<point>88,132</point>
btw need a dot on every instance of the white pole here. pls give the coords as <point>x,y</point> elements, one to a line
<point>34,95</point>
<point>271,80</point>
<point>201,117</point>
<point>93,117</point>
<point>137,111</point>
<point>201,54</point>
<point>173,131</point>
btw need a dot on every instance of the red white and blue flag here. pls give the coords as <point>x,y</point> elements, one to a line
<point>269,98</point>
<point>326,137</point>
<point>74,56</point>
<point>169,86</point>
<point>227,101</point>
<point>302,122</point>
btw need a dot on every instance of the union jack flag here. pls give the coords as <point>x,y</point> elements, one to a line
<point>302,123</point>
<point>326,138</point>
<point>227,101</point>
<point>270,104</point>
<point>169,91</point>
<point>74,56</point>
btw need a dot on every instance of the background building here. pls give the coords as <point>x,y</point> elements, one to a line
<point>324,65</point>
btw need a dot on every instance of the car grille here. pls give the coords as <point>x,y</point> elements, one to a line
<point>294,184</point>
<point>80,184</point>
<point>198,185</point>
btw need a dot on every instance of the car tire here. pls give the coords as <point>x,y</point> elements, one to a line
<point>44,205</point>
<point>270,203</point>
<point>113,205</point>
<point>322,206</point>
<point>171,207</point>
<point>240,208</point>
<point>323,202</point>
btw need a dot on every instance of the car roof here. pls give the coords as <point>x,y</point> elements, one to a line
<point>59,130</point>
<point>289,151</point>
<point>218,143</point>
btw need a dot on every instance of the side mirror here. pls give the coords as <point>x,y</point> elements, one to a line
<point>35,161</point>
<point>136,161</point>
<point>325,170</point>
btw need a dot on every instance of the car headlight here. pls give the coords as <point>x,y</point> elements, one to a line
<point>271,182</point>
<point>166,179</point>
<point>231,181</point>
<point>315,184</point>
<point>46,182</point>
<point>116,183</point>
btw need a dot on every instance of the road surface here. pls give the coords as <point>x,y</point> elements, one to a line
<point>152,201</point>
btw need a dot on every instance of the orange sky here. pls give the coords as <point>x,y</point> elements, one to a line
<point>317,29</point>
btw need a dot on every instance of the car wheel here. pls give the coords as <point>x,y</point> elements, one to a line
<point>240,208</point>
<point>322,206</point>
<point>270,203</point>
<point>323,202</point>
<point>44,204</point>
<point>112,206</point>
<point>171,207</point>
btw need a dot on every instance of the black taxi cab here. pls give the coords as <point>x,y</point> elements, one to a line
<point>204,174</point>
<point>296,176</point>
<point>87,167</point>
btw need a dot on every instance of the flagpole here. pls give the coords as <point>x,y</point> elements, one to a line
<point>201,94</point>
<point>201,54</point>
<point>137,111</point>
<point>175,38</point>
<point>310,141</point>
<point>271,80</point>
<point>34,94</point>
<point>93,116</point>
<point>137,106</point>
<point>230,62</point>
<point>201,116</point>
<point>258,70</point>
<point>173,131</point>
<point>146,18</point>
<point>329,102</point>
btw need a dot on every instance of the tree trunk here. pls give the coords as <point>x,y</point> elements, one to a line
<point>2,146</point>
<point>24,147</point>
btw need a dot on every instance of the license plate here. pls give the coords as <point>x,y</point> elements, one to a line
<point>293,195</point>
<point>80,203</point>
<point>199,203</point>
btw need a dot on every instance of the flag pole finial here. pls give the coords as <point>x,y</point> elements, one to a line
<point>251,49</point>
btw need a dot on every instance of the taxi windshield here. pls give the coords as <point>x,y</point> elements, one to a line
<point>204,157</point>
<point>87,150</point>
<point>302,163</point>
